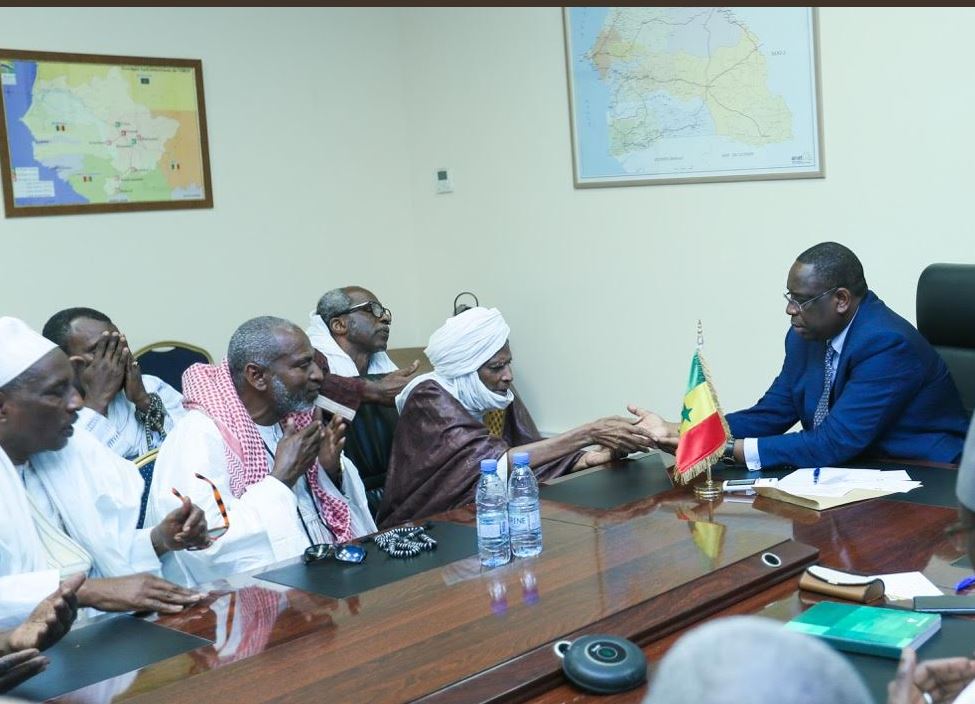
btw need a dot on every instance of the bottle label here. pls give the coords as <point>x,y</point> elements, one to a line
<point>491,528</point>
<point>525,521</point>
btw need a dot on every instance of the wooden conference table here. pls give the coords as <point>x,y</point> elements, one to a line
<point>647,569</point>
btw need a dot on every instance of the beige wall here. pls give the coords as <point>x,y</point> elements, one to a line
<point>603,287</point>
<point>309,157</point>
<point>326,126</point>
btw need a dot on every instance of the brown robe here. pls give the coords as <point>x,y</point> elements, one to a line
<point>437,451</point>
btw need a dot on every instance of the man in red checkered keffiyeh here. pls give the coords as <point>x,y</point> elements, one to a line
<point>211,389</point>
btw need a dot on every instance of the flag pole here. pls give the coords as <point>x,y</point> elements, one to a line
<point>707,490</point>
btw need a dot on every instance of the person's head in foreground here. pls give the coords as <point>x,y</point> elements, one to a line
<point>752,660</point>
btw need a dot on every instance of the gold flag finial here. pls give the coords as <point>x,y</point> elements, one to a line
<point>700,335</point>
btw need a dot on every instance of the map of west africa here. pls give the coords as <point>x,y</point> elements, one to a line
<point>101,133</point>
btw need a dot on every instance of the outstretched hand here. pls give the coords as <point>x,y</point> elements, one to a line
<point>385,390</point>
<point>942,679</point>
<point>665,434</point>
<point>136,592</point>
<point>19,666</point>
<point>49,621</point>
<point>620,435</point>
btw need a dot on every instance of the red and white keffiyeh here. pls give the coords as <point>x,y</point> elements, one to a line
<point>210,389</point>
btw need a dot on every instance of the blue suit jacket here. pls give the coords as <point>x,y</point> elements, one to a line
<point>892,397</point>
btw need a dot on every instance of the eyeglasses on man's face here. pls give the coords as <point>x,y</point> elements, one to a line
<point>377,309</point>
<point>212,533</point>
<point>802,305</point>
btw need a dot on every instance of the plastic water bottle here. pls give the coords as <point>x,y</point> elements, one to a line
<point>524,516</point>
<point>493,544</point>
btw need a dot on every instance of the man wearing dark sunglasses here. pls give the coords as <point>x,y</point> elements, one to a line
<point>350,331</point>
<point>859,378</point>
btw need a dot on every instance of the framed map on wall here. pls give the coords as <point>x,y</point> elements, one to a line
<point>83,133</point>
<point>685,94</point>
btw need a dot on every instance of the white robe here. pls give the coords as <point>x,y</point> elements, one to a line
<point>264,522</point>
<point>94,494</point>
<point>120,431</point>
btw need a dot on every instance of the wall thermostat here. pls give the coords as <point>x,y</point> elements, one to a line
<point>443,181</point>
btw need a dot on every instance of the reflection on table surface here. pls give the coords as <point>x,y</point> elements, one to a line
<point>647,569</point>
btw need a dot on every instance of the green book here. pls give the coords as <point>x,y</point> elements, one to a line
<point>866,629</point>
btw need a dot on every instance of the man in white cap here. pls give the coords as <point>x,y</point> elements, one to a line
<point>443,432</point>
<point>69,504</point>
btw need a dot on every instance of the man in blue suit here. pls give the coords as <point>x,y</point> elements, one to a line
<point>860,379</point>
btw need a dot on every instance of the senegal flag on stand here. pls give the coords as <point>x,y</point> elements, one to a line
<point>703,430</point>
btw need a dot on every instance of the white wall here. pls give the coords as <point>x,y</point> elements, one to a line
<point>308,155</point>
<point>326,125</point>
<point>603,287</point>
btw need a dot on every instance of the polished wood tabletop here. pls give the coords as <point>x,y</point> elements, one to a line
<point>647,570</point>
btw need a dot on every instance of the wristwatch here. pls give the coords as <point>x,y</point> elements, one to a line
<point>728,456</point>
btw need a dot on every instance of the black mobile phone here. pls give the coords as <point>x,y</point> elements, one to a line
<point>964,604</point>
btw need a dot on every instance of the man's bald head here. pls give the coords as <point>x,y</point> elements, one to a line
<point>754,660</point>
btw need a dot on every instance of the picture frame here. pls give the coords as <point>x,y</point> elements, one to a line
<point>669,95</point>
<point>91,133</point>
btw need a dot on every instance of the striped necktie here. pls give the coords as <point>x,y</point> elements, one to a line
<point>822,408</point>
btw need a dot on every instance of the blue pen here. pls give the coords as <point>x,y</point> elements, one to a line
<point>816,475</point>
<point>964,584</point>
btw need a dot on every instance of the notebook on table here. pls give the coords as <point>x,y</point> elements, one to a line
<point>866,629</point>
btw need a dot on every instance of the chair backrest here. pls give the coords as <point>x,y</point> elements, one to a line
<point>169,359</point>
<point>145,464</point>
<point>946,318</point>
<point>404,356</point>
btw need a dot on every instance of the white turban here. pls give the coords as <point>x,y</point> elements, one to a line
<point>466,341</point>
<point>457,349</point>
<point>20,348</point>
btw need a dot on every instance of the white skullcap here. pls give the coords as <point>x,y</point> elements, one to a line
<point>466,341</point>
<point>756,660</point>
<point>20,348</point>
<point>965,488</point>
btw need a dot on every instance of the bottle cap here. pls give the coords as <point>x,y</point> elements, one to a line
<point>488,466</point>
<point>520,458</point>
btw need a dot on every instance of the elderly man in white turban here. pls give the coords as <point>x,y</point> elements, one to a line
<point>465,411</point>
<point>70,504</point>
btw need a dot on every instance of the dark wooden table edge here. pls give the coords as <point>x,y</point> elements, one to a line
<point>539,670</point>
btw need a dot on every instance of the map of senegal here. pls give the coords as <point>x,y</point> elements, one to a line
<point>668,94</point>
<point>101,133</point>
<point>679,72</point>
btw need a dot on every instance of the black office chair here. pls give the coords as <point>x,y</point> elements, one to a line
<point>169,359</point>
<point>946,318</point>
